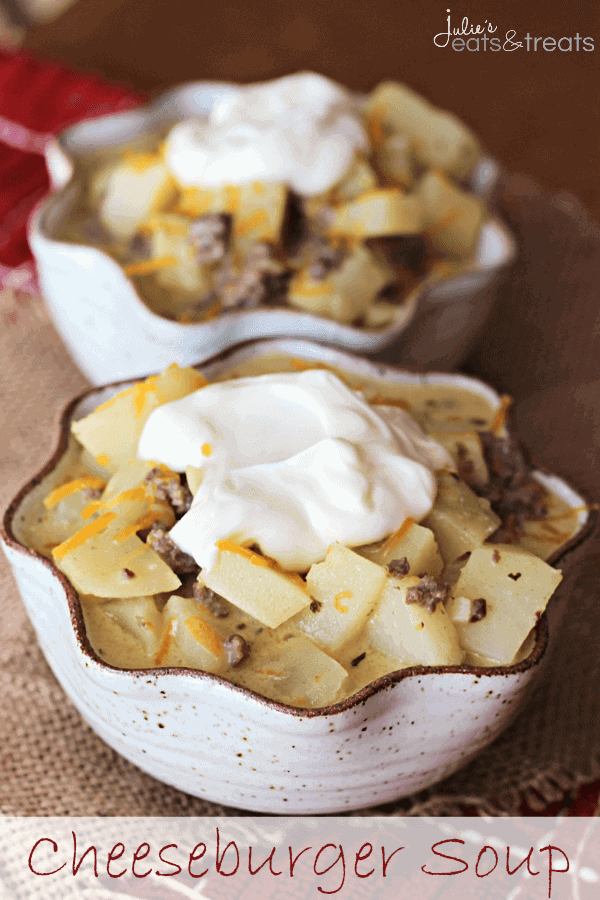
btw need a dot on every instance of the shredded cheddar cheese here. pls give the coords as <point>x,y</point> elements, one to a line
<point>204,634</point>
<point>71,487</point>
<point>501,413</point>
<point>144,521</point>
<point>150,265</point>
<point>139,162</point>
<point>343,595</point>
<point>165,644</point>
<point>394,539</point>
<point>91,509</point>
<point>245,226</point>
<point>103,459</point>
<point>232,193</point>
<point>257,560</point>
<point>381,400</point>
<point>81,536</point>
<point>207,450</point>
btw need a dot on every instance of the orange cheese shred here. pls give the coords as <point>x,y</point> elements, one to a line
<point>83,535</point>
<point>501,413</point>
<point>343,595</point>
<point>398,535</point>
<point>91,509</point>
<point>381,400</point>
<point>165,644</point>
<point>144,521</point>
<point>71,487</point>
<point>207,450</point>
<point>146,266</point>
<point>254,221</point>
<point>256,559</point>
<point>204,634</point>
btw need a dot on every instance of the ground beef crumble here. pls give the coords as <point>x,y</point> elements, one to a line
<point>398,568</point>
<point>175,558</point>
<point>171,489</point>
<point>428,593</point>
<point>213,602</point>
<point>478,610</point>
<point>514,495</point>
<point>236,649</point>
<point>324,258</point>
<point>209,236</point>
<point>261,281</point>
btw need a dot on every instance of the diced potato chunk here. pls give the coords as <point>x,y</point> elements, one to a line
<point>453,218</point>
<point>460,520</point>
<point>96,564</point>
<point>291,669</point>
<point>196,202</point>
<point>133,191</point>
<point>259,216</point>
<point>112,431</point>
<point>125,633</point>
<point>184,272</point>
<point>470,442</point>
<point>348,291</point>
<point>194,477</point>
<point>368,669</point>
<point>414,542</point>
<point>407,631</point>
<point>347,587</point>
<point>394,159</point>
<point>257,586</point>
<point>378,213</point>
<point>380,313</point>
<point>190,637</point>
<point>438,138</point>
<point>516,586</point>
<point>360,178</point>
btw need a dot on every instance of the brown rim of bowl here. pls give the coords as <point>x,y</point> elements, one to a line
<point>389,680</point>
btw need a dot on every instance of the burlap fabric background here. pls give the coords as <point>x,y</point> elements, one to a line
<point>543,347</point>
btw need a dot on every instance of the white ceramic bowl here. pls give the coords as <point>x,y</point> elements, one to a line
<point>112,334</point>
<point>216,740</point>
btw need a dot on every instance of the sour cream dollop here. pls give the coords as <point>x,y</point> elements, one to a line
<point>302,130</point>
<point>292,462</point>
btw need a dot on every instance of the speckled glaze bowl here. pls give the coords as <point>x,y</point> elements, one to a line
<point>215,740</point>
<point>112,334</point>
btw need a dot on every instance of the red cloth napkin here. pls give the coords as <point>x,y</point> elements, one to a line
<point>38,99</point>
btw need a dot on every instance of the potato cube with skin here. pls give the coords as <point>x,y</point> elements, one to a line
<point>459,519</point>
<point>346,587</point>
<point>291,669</point>
<point>412,541</point>
<point>256,585</point>
<point>516,586</point>
<point>407,631</point>
<point>190,637</point>
<point>134,190</point>
<point>112,431</point>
